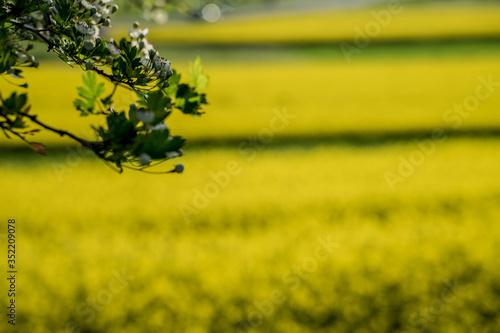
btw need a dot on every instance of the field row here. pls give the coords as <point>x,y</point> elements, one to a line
<point>321,98</point>
<point>400,22</point>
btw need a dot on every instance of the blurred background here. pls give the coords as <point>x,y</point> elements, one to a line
<point>345,178</point>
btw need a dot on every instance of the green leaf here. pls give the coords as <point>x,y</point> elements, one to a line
<point>157,143</point>
<point>197,79</point>
<point>120,130</point>
<point>188,100</point>
<point>14,104</point>
<point>18,123</point>
<point>132,115</point>
<point>157,102</point>
<point>90,93</point>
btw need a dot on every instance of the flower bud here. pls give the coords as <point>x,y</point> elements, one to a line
<point>133,107</point>
<point>179,168</point>
<point>98,40</point>
<point>107,22</point>
<point>109,60</point>
<point>114,9</point>
<point>89,45</point>
<point>135,25</point>
<point>142,44</point>
<point>144,159</point>
<point>146,116</point>
<point>89,65</point>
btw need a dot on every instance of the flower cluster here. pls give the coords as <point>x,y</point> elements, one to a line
<point>100,12</point>
<point>100,9</point>
<point>162,67</point>
<point>85,28</point>
<point>151,61</point>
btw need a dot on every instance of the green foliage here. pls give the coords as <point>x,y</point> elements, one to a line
<point>157,143</point>
<point>90,93</point>
<point>72,31</point>
<point>197,79</point>
<point>14,104</point>
<point>189,100</point>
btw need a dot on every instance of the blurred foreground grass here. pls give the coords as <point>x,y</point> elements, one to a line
<point>396,250</point>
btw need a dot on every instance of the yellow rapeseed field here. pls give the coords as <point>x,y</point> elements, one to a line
<point>326,97</point>
<point>299,239</point>
<point>405,22</point>
<point>275,226</point>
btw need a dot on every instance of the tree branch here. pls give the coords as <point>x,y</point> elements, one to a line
<point>92,145</point>
<point>36,32</point>
<point>7,128</point>
<point>110,77</point>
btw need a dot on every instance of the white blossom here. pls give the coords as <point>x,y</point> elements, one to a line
<point>147,63</point>
<point>115,51</point>
<point>138,33</point>
<point>145,46</point>
<point>173,154</point>
<point>157,127</point>
<point>162,66</point>
<point>85,28</point>
<point>87,5</point>
<point>158,15</point>
<point>165,65</point>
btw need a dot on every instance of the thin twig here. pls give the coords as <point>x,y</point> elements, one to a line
<point>16,134</point>
<point>36,32</point>
<point>93,145</point>
<point>113,92</point>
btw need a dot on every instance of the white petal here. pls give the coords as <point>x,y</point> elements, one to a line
<point>146,116</point>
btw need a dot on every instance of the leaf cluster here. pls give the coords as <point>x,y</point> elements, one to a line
<point>71,30</point>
